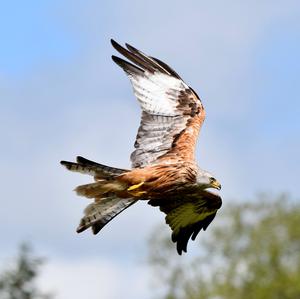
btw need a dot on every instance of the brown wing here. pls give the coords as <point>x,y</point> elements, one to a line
<point>172,112</point>
<point>187,214</point>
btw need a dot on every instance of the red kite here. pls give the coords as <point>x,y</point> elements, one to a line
<point>164,171</point>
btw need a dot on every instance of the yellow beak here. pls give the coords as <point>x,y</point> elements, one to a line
<point>215,184</point>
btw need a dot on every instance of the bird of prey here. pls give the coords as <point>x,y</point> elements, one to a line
<point>164,171</point>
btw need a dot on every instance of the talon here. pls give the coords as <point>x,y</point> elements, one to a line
<point>133,187</point>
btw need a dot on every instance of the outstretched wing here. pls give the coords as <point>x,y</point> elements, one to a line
<point>187,214</point>
<point>172,112</point>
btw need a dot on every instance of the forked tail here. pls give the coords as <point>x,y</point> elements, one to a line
<point>104,190</point>
<point>99,213</point>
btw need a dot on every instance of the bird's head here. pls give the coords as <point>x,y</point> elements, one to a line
<point>207,180</point>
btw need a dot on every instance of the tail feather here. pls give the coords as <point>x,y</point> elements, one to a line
<point>99,188</point>
<point>105,190</point>
<point>99,171</point>
<point>90,190</point>
<point>105,169</point>
<point>98,214</point>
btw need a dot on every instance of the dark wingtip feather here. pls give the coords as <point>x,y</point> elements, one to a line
<point>195,234</point>
<point>117,60</point>
<point>137,59</point>
<point>113,43</point>
<point>179,251</point>
<point>127,66</point>
<point>185,234</point>
<point>149,60</point>
<point>167,67</point>
<point>208,221</point>
<point>174,237</point>
<point>119,48</point>
<point>181,239</point>
<point>131,48</point>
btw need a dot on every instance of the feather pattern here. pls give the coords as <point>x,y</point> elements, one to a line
<point>169,108</point>
<point>155,137</point>
<point>187,212</point>
<point>99,213</point>
<point>98,171</point>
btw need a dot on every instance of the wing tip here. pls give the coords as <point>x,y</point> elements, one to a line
<point>116,59</point>
<point>130,48</point>
<point>113,42</point>
<point>179,251</point>
<point>181,248</point>
<point>127,66</point>
<point>182,237</point>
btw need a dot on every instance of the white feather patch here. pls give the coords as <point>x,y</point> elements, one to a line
<point>158,93</point>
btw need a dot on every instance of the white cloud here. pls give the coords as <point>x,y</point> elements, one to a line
<point>94,279</point>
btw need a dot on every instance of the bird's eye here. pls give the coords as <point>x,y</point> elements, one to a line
<point>212,180</point>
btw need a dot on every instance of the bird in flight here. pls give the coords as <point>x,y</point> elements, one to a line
<point>164,171</point>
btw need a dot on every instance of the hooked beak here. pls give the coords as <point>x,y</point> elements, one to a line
<point>216,185</point>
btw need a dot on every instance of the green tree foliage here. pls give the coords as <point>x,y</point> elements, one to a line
<point>250,251</point>
<point>18,282</point>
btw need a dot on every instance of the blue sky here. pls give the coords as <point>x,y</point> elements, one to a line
<point>62,96</point>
